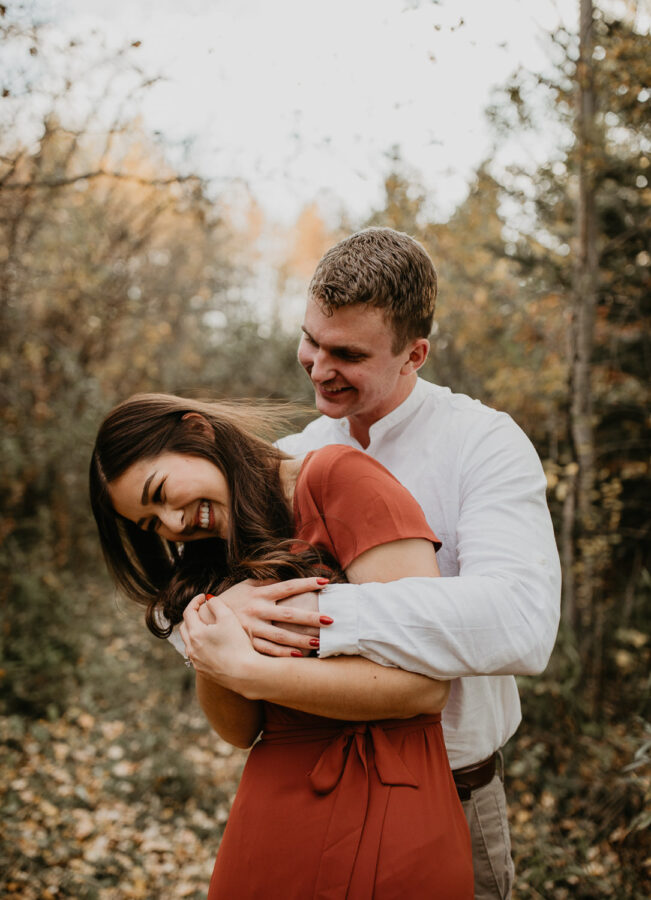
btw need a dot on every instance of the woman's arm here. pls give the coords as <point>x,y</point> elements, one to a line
<point>347,688</point>
<point>235,718</point>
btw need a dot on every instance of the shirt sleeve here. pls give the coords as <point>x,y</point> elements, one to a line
<point>176,641</point>
<point>500,615</point>
<point>349,503</point>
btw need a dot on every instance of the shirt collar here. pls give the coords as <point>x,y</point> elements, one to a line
<point>398,415</point>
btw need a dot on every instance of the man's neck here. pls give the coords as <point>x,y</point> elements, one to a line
<point>360,427</point>
<point>360,432</point>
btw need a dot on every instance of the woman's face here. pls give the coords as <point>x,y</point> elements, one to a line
<point>181,498</point>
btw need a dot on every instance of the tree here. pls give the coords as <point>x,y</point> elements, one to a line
<point>583,319</point>
<point>558,335</point>
<point>596,189</point>
<point>116,275</point>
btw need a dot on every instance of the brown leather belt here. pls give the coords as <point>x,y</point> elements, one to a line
<point>470,778</point>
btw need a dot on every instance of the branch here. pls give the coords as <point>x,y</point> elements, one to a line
<point>624,236</point>
<point>87,176</point>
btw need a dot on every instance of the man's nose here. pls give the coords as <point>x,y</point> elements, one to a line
<point>322,367</point>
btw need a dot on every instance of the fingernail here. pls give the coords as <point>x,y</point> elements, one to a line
<point>314,642</point>
<point>325,620</point>
<point>323,581</point>
<point>209,596</point>
<point>296,653</point>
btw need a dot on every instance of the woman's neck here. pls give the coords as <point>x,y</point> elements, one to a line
<point>288,471</point>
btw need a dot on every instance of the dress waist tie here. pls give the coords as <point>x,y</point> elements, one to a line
<point>355,750</point>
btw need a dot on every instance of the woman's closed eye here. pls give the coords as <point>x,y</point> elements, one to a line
<point>157,496</point>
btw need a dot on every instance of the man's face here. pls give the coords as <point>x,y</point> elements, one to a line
<point>350,362</point>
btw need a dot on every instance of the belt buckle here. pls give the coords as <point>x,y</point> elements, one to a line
<point>485,769</point>
<point>464,791</point>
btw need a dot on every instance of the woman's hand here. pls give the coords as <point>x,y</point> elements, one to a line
<point>215,641</point>
<point>280,618</point>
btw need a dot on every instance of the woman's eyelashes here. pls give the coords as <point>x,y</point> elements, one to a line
<point>158,493</point>
<point>157,497</point>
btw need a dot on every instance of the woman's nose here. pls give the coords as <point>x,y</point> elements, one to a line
<point>172,519</point>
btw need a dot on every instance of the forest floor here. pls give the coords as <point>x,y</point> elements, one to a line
<point>125,795</point>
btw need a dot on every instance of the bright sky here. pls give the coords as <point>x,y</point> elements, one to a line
<point>301,98</point>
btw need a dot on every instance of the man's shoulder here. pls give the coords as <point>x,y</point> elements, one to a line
<point>461,410</point>
<point>461,437</point>
<point>461,429</point>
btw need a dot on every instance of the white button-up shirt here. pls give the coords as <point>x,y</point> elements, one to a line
<point>494,613</point>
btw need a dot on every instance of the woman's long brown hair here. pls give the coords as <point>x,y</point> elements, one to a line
<point>164,576</point>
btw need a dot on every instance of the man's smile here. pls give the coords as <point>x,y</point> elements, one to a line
<point>333,391</point>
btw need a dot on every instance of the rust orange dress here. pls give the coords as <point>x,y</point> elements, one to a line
<point>332,809</point>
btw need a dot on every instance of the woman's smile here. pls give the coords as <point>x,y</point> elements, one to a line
<point>205,516</point>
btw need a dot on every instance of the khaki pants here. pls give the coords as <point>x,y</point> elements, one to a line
<point>491,842</point>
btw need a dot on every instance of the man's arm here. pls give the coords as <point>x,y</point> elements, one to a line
<point>353,689</point>
<point>500,614</point>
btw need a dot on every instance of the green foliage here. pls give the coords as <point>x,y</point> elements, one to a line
<point>38,646</point>
<point>620,371</point>
<point>109,284</point>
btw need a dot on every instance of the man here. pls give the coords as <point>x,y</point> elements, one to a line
<point>494,613</point>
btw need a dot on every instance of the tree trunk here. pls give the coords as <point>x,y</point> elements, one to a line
<point>584,304</point>
<point>567,551</point>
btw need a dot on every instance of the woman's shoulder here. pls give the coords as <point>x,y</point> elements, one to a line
<point>332,452</point>
<point>345,471</point>
<point>339,460</point>
<point>361,504</point>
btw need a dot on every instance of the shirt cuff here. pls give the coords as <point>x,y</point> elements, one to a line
<point>339,601</point>
<point>176,641</point>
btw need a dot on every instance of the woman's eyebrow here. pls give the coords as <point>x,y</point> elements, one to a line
<point>144,499</point>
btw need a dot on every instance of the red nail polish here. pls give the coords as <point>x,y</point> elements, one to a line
<point>209,596</point>
<point>314,642</point>
<point>296,653</point>
<point>325,620</point>
<point>323,581</point>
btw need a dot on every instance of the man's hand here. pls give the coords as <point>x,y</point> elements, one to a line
<point>281,619</point>
<point>307,602</point>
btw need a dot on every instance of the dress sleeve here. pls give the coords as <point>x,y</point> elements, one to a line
<point>349,503</point>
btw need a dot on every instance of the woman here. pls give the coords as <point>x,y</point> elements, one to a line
<point>348,793</point>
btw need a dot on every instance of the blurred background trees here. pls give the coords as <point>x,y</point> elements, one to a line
<point>506,330</point>
<point>122,271</point>
<point>117,274</point>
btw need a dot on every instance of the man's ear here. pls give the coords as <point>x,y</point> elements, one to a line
<point>198,423</point>
<point>417,351</point>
